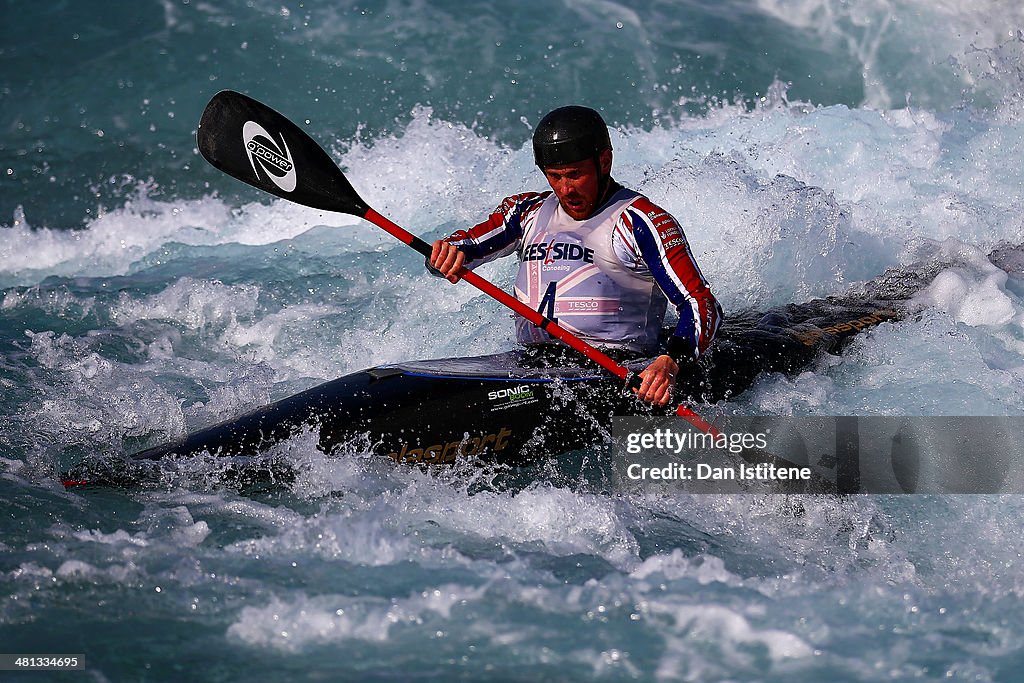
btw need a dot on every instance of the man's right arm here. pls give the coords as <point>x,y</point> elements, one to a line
<point>495,237</point>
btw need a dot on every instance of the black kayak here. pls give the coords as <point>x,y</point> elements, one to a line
<point>509,408</point>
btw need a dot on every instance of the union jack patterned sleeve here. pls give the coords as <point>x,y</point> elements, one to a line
<point>500,234</point>
<point>652,240</point>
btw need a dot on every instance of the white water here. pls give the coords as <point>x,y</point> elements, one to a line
<point>165,315</point>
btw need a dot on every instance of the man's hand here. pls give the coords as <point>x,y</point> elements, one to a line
<point>447,259</point>
<point>658,380</point>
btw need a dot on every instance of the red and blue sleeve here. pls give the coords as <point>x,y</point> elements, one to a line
<point>666,252</point>
<point>501,232</point>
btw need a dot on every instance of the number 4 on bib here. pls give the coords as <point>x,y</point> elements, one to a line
<point>547,304</point>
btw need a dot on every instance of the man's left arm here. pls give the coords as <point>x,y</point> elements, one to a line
<point>666,252</point>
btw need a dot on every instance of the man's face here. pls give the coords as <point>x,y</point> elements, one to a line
<point>577,185</point>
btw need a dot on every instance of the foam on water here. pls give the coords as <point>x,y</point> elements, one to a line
<point>144,227</point>
<point>406,562</point>
<point>303,621</point>
<point>974,293</point>
<point>905,48</point>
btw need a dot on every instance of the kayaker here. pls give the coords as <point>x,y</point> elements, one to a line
<point>596,257</point>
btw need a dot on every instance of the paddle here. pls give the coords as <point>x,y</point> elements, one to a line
<point>255,144</point>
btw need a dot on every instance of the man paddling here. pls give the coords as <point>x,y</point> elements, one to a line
<point>596,257</point>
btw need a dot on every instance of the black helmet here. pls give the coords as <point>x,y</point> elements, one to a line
<point>569,134</point>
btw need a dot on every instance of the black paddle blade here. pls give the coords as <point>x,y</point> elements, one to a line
<point>250,141</point>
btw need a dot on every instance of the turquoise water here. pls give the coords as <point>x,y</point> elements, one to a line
<point>806,145</point>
